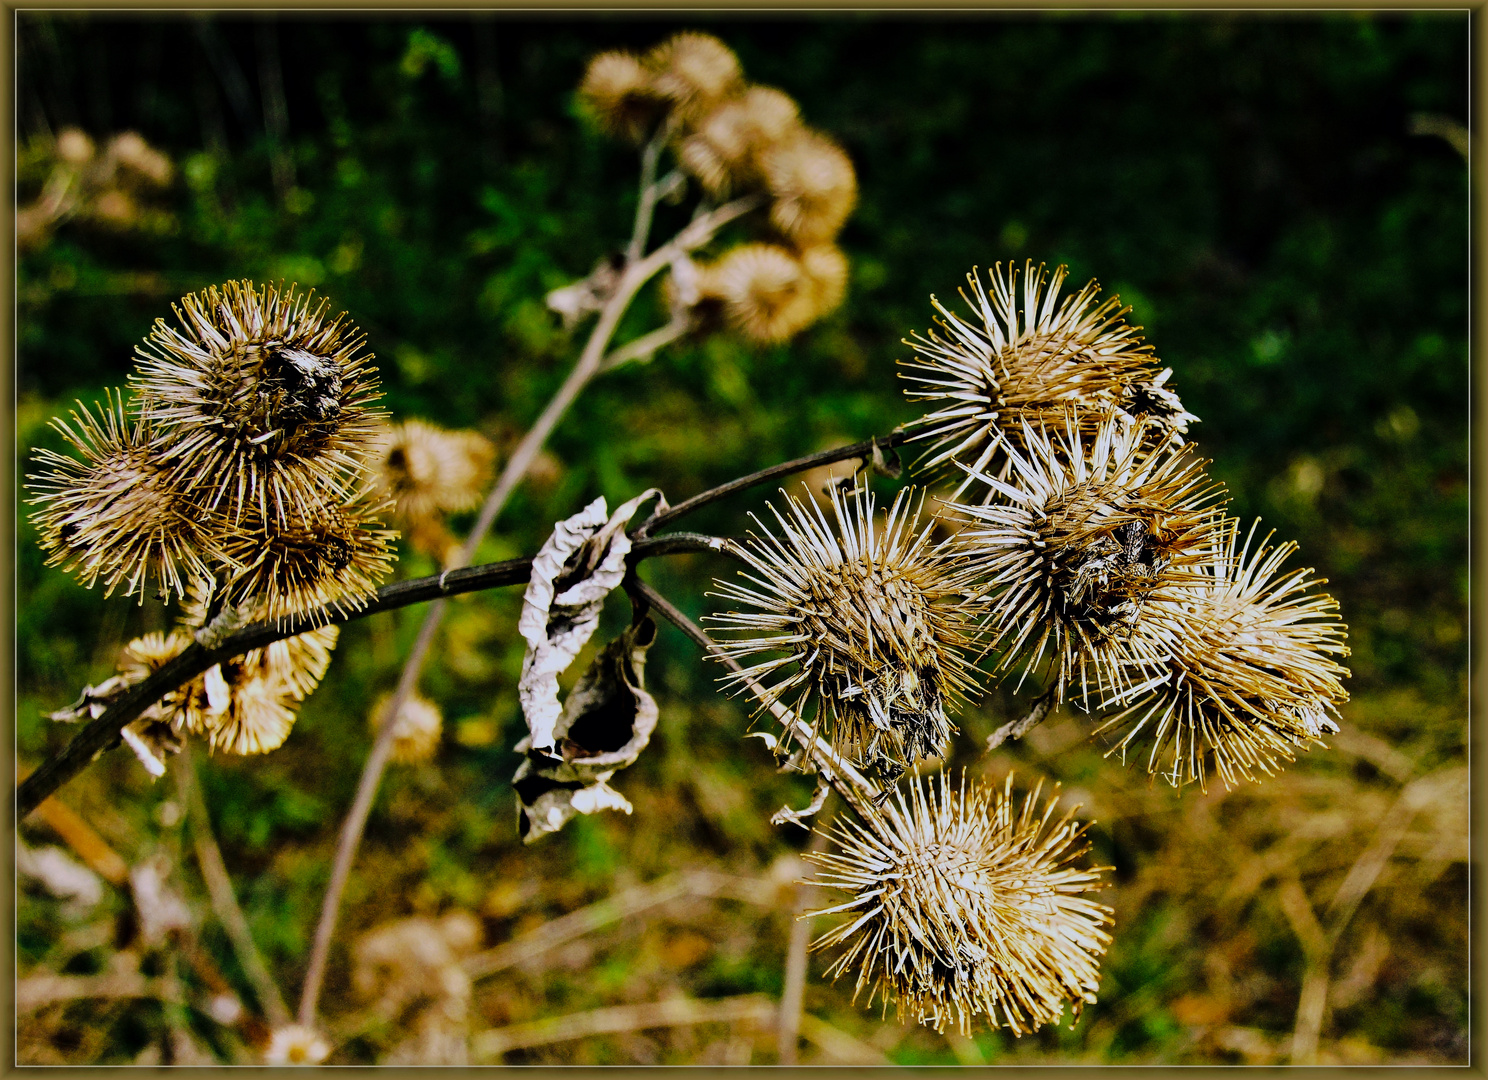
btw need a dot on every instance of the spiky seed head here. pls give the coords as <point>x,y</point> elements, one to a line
<point>812,182</point>
<point>966,907</point>
<point>428,471</point>
<point>868,623</point>
<point>1029,358</point>
<point>302,563</point>
<point>418,728</point>
<point>694,72</point>
<point>1249,674</point>
<point>1084,534</point>
<point>259,400</point>
<point>724,152</point>
<point>246,705</point>
<point>116,515</point>
<point>769,293</point>
<point>620,92</point>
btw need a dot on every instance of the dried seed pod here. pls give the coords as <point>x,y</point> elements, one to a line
<point>1086,534</point>
<point>428,471</point>
<point>621,94</point>
<point>814,187</point>
<point>246,705</point>
<point>1248,676</point>
<point>302,562</point>
<point>260,401</point>
<point>869,621</point>
<point>1031,363</point>
<point>769,293</point>
<point>116,515</point>
<point>965,907</point>
<point>725,151</point>
<point>417,731</point>
<point>694,72</point>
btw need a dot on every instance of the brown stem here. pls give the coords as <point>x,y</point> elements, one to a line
<point>810,461</point>
<point>635,275</point>
<point>1016,729</point>
<point>838,771</point>
<point>220,890</point>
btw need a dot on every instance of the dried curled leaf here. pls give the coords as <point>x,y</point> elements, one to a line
<point>576,569</point>
<point>606,722</point>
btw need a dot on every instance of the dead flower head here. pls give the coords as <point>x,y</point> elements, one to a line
<point>1031,360</point>
<point>246,705</point>
<point>771,293</point>
<point>814,187</point>
<point>869,619</point>
<point>694,72</point>
<point>303,562</point>
<point>1249,675</point>
<point>116,515</point>
<point>725,152</point>
<point>1084,534</point>
<point>428,471</point>
<point>260,400</point>
<point>417,731</point>
<point>620,93</point>
<point>965,907</point>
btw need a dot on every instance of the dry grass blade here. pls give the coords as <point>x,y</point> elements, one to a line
<point>678,1012</point>
<point>695,883</point>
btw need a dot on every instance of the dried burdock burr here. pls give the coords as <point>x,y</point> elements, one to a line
<point>813,185</point>
<point>1085,530</point>
<point>771,293</point>
<point>1250,672</point>
<point>620,93</point>
<point>1030,358</point>
<point>295,565</point>
<point>966,907</point>
<point>260,401</point>
<point>725,151</point>
<point>428,471</point>
<point>418,728</point>
<point>868,622</point>
<point>116,514</point>
<point>694,72</point>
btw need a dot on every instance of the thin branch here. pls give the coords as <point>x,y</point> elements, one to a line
<point>810,461</point>
<point>839,772</point>
<point>635,275</point>
<point>788,1026</point>
<point>645,346</point>
<point>646,201</point>
<point>220,890</point>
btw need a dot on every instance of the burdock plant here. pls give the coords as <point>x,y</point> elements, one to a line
<point>1089,553</point>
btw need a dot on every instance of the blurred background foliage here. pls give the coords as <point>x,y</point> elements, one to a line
<point>1253,186</point>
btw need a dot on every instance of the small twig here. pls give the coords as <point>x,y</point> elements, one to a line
<point>646,345</point>
<point>220,891</point>
<point>793,995</point>
<point>810,461</point>
<point>646,201</point>
<point>695,883</point>
<point>1016,729</point>
<point>839,772</point>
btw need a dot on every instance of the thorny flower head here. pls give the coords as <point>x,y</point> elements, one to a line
<point>417,728</point>
<point>964,907</point>
<point>116,515</point>
<point>694,72</point>
<point>428,471</point>
<point>300,563</point>
<point>771,293</point>
<point>260,401</point>
<point>870,619</point>
<point>1249,673</point>
<point>1085,534</point>
<point>1031,361</point>
<point>813,185</point>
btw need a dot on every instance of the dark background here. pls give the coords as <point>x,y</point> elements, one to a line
<point>1250,185</point>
